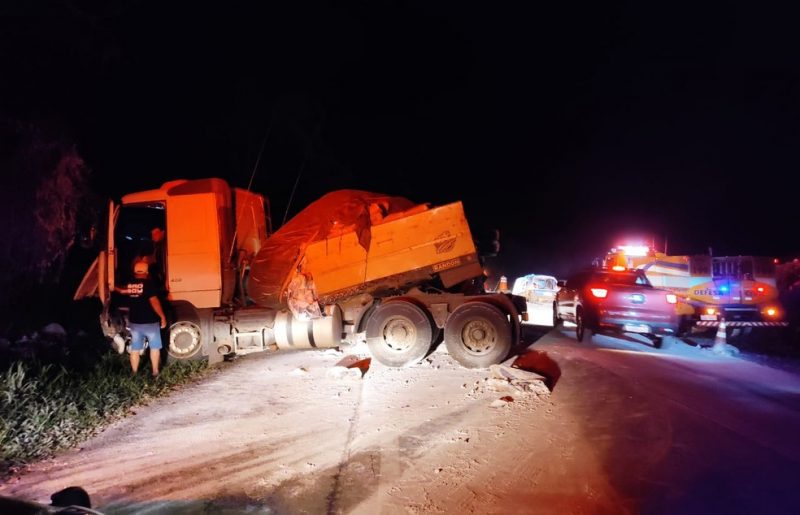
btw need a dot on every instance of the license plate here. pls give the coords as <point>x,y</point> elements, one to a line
<point>636,328</point>
<point>708,317</point>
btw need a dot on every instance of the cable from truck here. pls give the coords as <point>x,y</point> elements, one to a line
<point>252,176</point>
<point>300,171</point>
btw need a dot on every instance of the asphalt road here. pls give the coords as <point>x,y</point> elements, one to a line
<point>689,431</point>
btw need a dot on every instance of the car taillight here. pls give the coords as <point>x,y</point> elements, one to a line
<point>600,293</point>
<point>771,312</point>
<point>672,298</point>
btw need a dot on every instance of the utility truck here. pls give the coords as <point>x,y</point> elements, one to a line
<point>353,266</point>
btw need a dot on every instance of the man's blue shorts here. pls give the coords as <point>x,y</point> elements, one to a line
<point>141,331</point>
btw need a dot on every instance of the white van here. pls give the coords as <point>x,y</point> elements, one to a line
<point>537,289</point>
<point>540,293</point>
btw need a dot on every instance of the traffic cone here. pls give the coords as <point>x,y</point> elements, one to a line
<point>722,334</point>
<point>720,341</point>
<point>503,286</point>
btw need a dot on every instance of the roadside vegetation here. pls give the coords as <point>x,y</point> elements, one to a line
<point>45,408</point>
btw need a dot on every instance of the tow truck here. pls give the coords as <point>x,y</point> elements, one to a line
<point>741,290</point>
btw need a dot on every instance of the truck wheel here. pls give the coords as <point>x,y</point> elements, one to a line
<point>185,340</point>
<point>399,333</point>
<point>684,326</point>
<point>477,335</point>
<point>556,320</point>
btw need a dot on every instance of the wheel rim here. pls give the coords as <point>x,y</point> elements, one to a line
<point>478,336</point>
<point>399,334</point>
<point>184,339</point>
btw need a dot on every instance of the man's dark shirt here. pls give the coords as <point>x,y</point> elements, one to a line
<point>139,292</point>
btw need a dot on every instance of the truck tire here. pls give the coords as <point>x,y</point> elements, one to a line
<point>185,336</point>
<point>399,333</point>
<point>684,326</point>
<point>478,334</point>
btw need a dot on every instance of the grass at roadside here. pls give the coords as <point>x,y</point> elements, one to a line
<point>46,408</point>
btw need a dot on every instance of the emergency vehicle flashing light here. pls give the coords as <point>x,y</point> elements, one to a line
<point>635,250</point>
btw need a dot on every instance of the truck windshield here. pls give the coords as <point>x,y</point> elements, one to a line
<point>740,267</point>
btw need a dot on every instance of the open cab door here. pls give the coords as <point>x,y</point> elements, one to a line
<point>99,279</point>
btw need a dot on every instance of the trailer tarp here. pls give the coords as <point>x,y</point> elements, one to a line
<point>276,268</point>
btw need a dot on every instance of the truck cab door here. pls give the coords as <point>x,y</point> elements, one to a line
<point>99,279</point>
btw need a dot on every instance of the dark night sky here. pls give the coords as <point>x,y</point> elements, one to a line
<point>565,126</point>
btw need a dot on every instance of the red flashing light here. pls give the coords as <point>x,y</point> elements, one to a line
<point>760,289</point>
<point>618,268</point>
<point>600,293</point>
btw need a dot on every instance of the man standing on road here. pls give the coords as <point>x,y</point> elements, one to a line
<point>146,316</point>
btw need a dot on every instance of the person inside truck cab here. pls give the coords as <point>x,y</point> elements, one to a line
<point>153,253</point>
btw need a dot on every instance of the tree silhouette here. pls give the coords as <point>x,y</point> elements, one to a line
<point>47,199</point>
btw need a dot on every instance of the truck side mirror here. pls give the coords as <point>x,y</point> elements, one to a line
<point>487,242</point>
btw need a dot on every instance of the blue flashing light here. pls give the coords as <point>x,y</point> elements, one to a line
<point>723,289</point>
